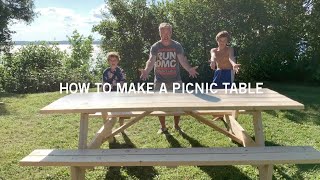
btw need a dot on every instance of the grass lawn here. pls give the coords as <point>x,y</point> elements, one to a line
<point>23,129</point>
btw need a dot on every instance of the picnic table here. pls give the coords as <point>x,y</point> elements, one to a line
<point>169,103</point>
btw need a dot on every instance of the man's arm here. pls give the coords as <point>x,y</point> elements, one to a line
<point>185,64</point>
<point>149,66</point>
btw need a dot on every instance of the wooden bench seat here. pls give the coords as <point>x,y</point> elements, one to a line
<point>174,156</point>
<point>162,113</point>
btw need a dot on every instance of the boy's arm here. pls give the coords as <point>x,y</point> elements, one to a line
<point>232,60</point>
<point>148,68</point>
<point>105,77</point>
<point>123,77</point>
<point>213,60</point>
<point>185,64</point>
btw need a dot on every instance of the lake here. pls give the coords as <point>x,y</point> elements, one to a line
<point>66,47</point>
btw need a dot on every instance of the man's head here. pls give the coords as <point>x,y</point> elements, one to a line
<point>222,39</point>
<point>113,59</point>
<point>165,31</point>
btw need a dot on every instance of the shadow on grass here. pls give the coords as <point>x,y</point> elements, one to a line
<point>302,167</point>
<point>192,141</point>
<point>138,172</point>
<point>224,172</point>
<point>6,95</point>
<point>272,113</point>
<point>3,109</point>
<point>307,95</point>
<point>173,141</point>
<point>216,172</point>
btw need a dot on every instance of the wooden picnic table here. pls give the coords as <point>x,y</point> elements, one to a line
<point>105,103</point>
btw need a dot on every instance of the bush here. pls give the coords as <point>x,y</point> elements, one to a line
<point>34,68</point>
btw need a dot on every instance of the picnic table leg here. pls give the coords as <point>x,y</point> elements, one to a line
<point>265,171</point>
<point>78,173</point>
<point>112,122</point>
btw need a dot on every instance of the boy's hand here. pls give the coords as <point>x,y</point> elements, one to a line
<point>212,65</point>
<point>192,72</point>
<point>236,67</point>
<point>144,74</point>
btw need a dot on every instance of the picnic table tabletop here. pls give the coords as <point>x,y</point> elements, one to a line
<point>121,102</point>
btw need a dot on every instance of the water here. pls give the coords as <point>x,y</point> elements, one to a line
<point>66,47</point>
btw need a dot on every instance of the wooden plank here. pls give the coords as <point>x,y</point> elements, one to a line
<point>268,171</point>
<point>238,130</point>
<point>162,113</point>
<point>215,127</point>
<point>265,171</point>
<point>175,159</point>
<point>258,128</point>
<point>128,124</point>
<point>173,151</point>
<point>104,133</point>
<point>83,133</point>
<point>100,136</point>
<point>197,99</point>
<point>178,107</point>
<point>95,102</point>
<point>77,173</point>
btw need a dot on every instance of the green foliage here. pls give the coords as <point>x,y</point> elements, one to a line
<point>101,64</point>
<point>42,67</point>
<point>275,40</point>
<point>34,68</point>
<point>13,10</point>
<point>81,50</point>
<point>79,63</point>
<point>132,34</point>
<point>23,130</point>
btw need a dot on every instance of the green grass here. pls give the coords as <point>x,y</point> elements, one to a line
<point>23,129</point>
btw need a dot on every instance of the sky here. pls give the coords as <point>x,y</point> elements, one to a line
<point>57,19</point>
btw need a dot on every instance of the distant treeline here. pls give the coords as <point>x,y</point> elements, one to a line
<point>49,42</point>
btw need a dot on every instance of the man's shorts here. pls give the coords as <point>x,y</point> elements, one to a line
<point>223,76</point>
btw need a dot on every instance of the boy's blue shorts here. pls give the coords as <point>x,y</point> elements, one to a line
<point>222,76</point>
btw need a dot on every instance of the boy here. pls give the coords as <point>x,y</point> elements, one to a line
<point>223,58</point>
<point>114,75</point>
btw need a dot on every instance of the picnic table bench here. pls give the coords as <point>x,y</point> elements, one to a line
<point>138,106</point>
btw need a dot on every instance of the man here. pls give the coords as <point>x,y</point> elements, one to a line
<point>165,57</point>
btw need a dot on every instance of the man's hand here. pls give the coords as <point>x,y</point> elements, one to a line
<point>192,72</point>
<point>144,74</point>
<point>236,67</point>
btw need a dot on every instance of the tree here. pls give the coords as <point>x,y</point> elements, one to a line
<point>81,50</point>
<point>79,63</point>
<point>11,10</point>
<point>269,35</point>
<point>131,32</point>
